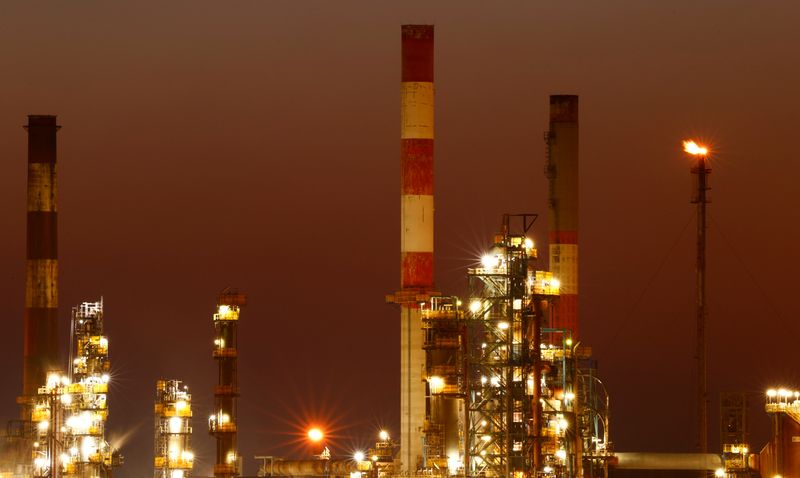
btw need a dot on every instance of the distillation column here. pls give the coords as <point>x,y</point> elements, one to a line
<point>41,278</point>
<point>416,235</point>
<point>222,422</point>
<point>562,172</point>
<point>173,422</point>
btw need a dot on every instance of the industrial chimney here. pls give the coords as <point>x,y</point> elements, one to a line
<point>416,231</point>
<point>41,278</point>
<point>562,172</point>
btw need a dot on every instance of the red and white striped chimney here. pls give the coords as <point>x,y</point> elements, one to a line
<point>41,278</point>
<point>562,171</point>
<point>416,230</point>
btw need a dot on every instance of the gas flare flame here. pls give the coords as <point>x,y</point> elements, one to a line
<point>694,149</point>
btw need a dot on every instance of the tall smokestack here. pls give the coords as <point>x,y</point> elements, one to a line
<point>562,172</point>
<point>416,231</point>
<point>41,278</point>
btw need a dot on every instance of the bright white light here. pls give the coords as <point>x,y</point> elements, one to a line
<point>105,378</point>
<point>176,474</point>
<point>719,473</point>
<point>436,384</point>
<point>358,456</point>
<point>569,396</point>
<point>315,435</point>
<point>103,342</point>
<point>180,405</point>
<point>53,379</point>
<point>528,243</point>
<point>561,454</point>
<point>453,463</point>
<point>43,425</point>
<point>66,399</point>
<point>475,306</point>
<point>383,435</point>
<point>495,381</point>
<point>175,425</point>
<point>695,149</point>
<point>555,284</point>
<point>772,393</point>
<point>502,325</point>
<point>486,438</point>
<point>224,310</point>
<point>231,457</point>
<point>563,424</point>
<point>489,261</point>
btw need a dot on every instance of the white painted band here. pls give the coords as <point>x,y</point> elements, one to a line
<point>564,266</point>
<point>416,223</point>
<point>41,187</point>
<point>416,110</point>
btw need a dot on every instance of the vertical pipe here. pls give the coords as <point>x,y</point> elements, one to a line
<point>701,170</point>
<point>536,400</point>
<point>562,172</point>
<point>41,277</point>
<point>416,235</point>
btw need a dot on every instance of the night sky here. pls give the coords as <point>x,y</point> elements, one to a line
<point>255,144</point>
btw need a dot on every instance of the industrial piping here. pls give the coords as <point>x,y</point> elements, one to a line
<point>561,170</point>
<point>416,231</point>
<point>41,276</point>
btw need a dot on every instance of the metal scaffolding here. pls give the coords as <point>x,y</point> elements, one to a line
<point>70,410</point>
<point>534,404</point>
<point>173,430</point>
<point>504,334</point>
<point>222,422</point>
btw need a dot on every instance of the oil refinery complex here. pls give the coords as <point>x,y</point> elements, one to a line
<point>495,384</point>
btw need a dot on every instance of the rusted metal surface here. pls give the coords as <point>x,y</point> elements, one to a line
<point>40,348</point>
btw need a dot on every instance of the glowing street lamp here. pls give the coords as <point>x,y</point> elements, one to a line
<point>315,435</point>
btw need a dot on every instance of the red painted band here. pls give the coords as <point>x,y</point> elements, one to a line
<point>42,144</point>
<point>563,108</point>
<point>40,347</point>
<point>416,269</point>
<point>565,313</point>
<point>417,53</point>
<point>563,237</point>
<point>42,235</point>
<point>416,166</point>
